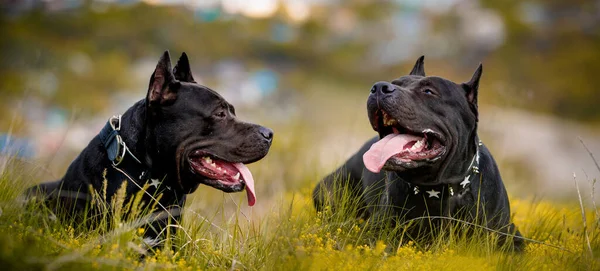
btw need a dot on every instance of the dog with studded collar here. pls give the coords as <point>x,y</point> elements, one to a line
<point>427,161</point>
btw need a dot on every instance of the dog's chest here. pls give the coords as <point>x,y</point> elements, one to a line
<point>411,201</point>
<point>152,188</point>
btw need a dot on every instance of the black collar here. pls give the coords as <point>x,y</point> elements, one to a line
<point>461,188</point>
<point>130,166</point>
<point>119,154</point>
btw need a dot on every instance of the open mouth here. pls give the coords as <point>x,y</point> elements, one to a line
<point>223,175</point>
<point>401,146</point>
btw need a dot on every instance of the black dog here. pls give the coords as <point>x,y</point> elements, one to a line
<point>434,163</point>
<point>181,135</point>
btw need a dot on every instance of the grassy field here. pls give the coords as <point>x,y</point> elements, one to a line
<point>283,231</point>
<point>290,236</point>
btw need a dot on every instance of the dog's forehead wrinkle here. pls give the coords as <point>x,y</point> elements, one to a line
<point>424,83</point>
<point>399,82</point>
<point>440,84</point>
<point>409,80</point>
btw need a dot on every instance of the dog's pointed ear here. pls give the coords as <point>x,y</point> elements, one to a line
<point>472,88</point>
<point>419,68</point>
<point>163,85</point>
<point>182,70</point>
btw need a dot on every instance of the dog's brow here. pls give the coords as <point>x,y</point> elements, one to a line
<point>231,108</point>
<point>398,82</point>
<point>425,83</point>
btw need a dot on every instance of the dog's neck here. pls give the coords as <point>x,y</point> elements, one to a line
<point>451,188</point>
<point>136,125</point>
<point>133,126</point>
<point>133,130</point>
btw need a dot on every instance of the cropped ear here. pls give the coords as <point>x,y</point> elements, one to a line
<point>419,68</point>
<point>162,89</point>
<point>182,69</point>
<point>472,88</point>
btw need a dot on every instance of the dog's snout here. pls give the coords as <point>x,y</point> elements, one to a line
<point>266,133</point>
<point>383,88</point>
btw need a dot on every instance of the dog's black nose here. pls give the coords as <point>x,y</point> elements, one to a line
<point>383,87</point>
<point>266,133</point>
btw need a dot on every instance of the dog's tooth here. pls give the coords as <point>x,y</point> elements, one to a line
<point>236,176</point>
<point>417,145</point>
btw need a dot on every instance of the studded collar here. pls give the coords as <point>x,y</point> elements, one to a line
<point>462,187</point>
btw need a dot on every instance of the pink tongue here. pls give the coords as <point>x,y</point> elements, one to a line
<point>385,148</point>
<point>246,175</point>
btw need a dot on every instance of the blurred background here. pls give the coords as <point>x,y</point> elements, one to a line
<point>304,68</point>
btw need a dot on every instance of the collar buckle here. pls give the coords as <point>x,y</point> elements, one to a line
<point>117,150</point>
<point>115,122</point>
<point>122,149</point>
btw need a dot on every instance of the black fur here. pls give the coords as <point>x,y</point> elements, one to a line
<point>178,116</point>
<point>448,110</point>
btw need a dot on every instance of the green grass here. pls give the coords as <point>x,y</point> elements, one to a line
<point>288,235</point>
<point>283,231</point>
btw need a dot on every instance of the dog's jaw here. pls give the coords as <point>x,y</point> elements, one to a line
<point>222,174</point>
<point>401,148</point>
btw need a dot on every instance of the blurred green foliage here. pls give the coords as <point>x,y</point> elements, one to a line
<point>550,68</point>
<point>556,58</point>
<point>39,41</point>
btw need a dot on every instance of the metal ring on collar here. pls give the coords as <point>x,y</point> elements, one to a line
<point>117,119</point>
<point>121,152</point>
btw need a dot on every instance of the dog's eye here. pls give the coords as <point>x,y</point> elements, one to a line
<point>428,91</point>
<point>220,114</point>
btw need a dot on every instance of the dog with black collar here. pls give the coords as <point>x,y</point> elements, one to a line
<point>181,135</point>
<point>427,161</point>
